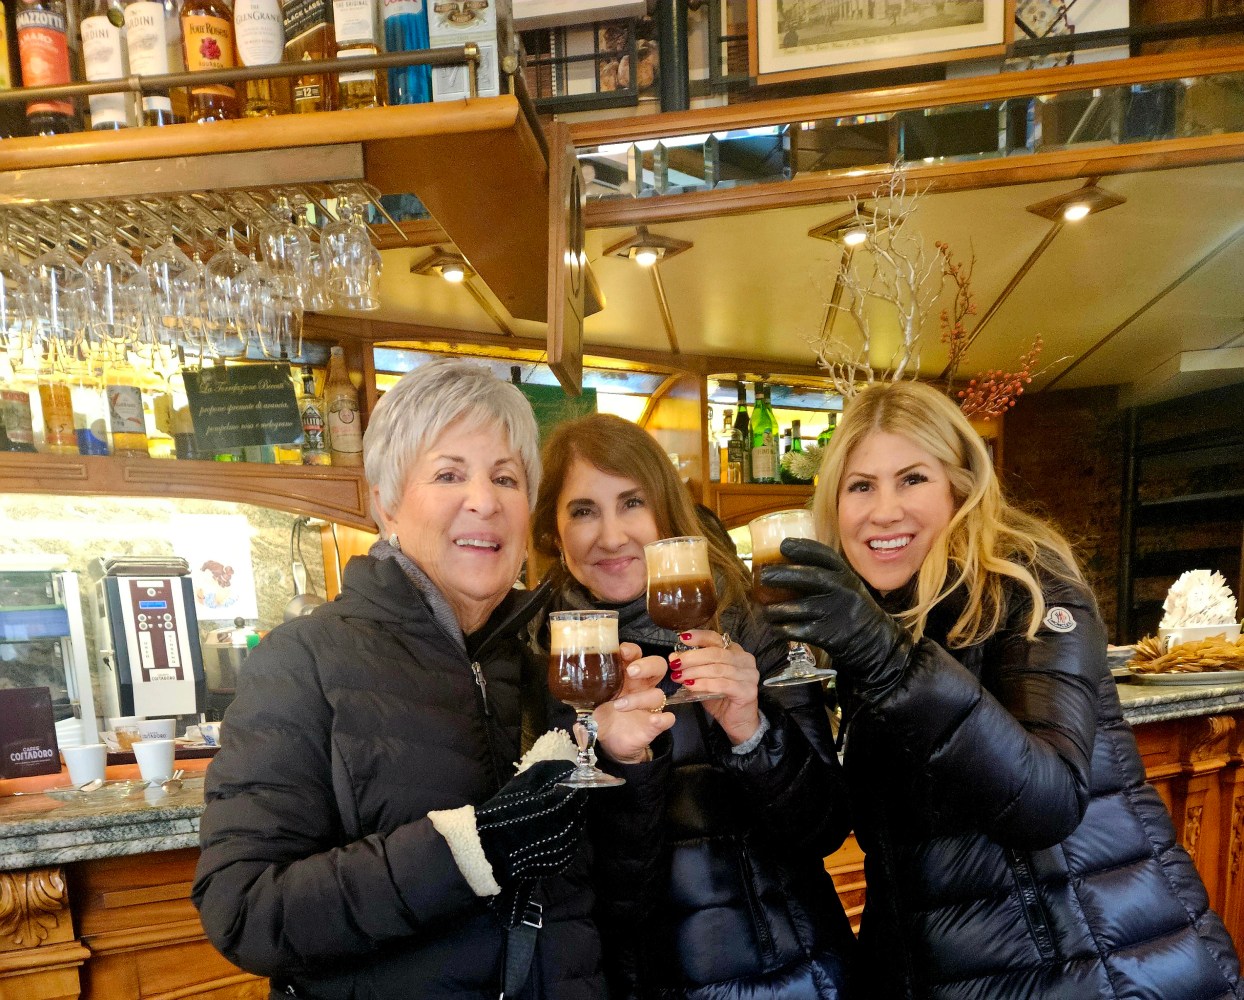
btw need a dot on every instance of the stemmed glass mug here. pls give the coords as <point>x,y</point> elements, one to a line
<point>681,594</point>
<point>768,531</point>
<point>585,671</point>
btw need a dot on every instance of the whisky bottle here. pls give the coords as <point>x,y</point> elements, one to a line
<point>354,24</point>
<point>260,31</point>
<point>309,37</point>
<point>207,43</point>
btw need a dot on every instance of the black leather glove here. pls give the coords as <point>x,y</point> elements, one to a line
<point>533,826</point>
<point>869,648</point>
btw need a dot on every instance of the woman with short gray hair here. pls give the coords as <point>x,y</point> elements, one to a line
<point>365,833</point>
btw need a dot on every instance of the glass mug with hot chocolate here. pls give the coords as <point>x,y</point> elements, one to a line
<point>681,594</point>
<point>585,671</point>
<point>767,534</point>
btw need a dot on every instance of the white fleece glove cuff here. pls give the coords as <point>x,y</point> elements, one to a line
<point>457,826</point>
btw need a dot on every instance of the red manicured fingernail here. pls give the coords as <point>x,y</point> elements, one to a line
<point>675,674</point>
<point>675,663</point>
<point>688,683</point>
<point>685,636</point>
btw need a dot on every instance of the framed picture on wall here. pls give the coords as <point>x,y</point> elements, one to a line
<point>799,39</point>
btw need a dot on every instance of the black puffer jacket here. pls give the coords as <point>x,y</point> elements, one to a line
<point>319,867</point>
<point>1013,849</point>
<point>732,900</point>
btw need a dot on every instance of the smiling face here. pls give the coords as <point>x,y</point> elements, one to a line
<point>894,500</point>
<point>603,523</point>
<point>462,517</point>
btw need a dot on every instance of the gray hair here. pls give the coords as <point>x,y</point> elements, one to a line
<point>425,401</point>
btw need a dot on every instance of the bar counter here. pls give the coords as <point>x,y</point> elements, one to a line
<point>95,894</point>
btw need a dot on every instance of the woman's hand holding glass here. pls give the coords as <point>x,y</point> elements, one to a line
<point>627,725</point>
<point>715,665</point>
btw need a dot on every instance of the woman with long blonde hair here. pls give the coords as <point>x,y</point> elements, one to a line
<point>1012,847</point>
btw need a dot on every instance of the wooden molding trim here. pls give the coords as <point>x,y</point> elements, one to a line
<point>146,894</point>
<point>66,954</point>
<point>216,988</point>
<point>32,905</point>
<point>990,87</point>
<point>146,936</point>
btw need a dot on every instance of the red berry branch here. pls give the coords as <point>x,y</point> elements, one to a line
<point>954,333</point>
<point>996,391</point>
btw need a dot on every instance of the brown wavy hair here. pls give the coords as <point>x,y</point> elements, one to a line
<point>987,539</point>
<point>618,447</point>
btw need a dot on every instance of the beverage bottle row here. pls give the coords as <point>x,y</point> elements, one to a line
<point>127,410</point>
<point>748,448</point>
<point>50,42</point>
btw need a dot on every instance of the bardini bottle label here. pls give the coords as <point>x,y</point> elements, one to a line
<point>146,39</point>
<point>104,59</point>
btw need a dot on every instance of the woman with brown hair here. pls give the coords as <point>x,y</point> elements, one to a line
<point>740,804</point>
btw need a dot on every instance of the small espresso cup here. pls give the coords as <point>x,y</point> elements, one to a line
<point>1172,637</point>
<point>86,763</point>
<point>155,759</point>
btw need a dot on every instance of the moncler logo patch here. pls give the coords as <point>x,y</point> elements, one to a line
<point>1059,620</point>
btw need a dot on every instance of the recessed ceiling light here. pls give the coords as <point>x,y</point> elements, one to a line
<point>453,272</point>
<point>645,256</point>
<point>1076,211</point>
<point>855,236</point>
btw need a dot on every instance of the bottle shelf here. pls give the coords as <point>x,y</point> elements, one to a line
<point>738,503</point>
<point>1209,506</point>
<point>331,492</point>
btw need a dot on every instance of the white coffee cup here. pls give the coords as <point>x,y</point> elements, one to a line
<point>210,731</point>
<point>157,729</point>
<point>1171,637</point>
<point>155,759</point>
<point>85,763</point>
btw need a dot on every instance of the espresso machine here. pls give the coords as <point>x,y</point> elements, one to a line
<point>150,662</point>
<point>43,641</point>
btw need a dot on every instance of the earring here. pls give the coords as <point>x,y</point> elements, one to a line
<point>393,540</point>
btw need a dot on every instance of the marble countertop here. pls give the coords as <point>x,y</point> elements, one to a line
<point>39,830</point>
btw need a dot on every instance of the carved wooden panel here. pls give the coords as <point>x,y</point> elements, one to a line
<point>39,958</point>
<point>32,905</point>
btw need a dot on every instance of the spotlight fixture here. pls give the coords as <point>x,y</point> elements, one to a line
<point>648,249</point>
<point>1076,205</point>
<point>446,263</point>
<point>851,230</point>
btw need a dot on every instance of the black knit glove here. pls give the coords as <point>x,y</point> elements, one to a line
<point>533,826</point>
<point>869,648</point>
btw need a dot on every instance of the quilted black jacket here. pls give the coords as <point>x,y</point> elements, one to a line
<point>731,900</point>
<point>319,867</point>
<point>1013,849</point>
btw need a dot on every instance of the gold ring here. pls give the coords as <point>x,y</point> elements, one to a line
<point>656,711</point>
<point>725,640</point>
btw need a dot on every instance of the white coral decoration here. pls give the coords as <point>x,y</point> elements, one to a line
<point>1198,597</point>
<point>556,744</point>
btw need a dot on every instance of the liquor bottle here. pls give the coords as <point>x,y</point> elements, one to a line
<point>796,440</point>
<point>406,30</point>
<point>721,441</point>
<point>90,413</point>
<point>207,43</point>
<point>315,450</point>
<point>15,411</point>
<point>741,438</point>
<point>823,438</point>
<point>54,398</point>
<point>290,452</point>
<point>11,119</point>
<point>125,411</point>
<point>714,453</point>
<point>309,37</point>
<point>764,439</point>
<point>354,23</point>
<point>105,57</point>
<point>345,424</point>
<point>43,42</point>
<point>153,43</point>
<point>260,31</point>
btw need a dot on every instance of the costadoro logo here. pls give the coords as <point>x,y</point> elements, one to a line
<point>1059,620</point>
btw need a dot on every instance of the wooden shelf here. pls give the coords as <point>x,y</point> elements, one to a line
<point>736,504</point>
<point>335,494</point>
<point>477,165</point>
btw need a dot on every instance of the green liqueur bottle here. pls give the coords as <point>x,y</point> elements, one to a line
<point>765,439</point>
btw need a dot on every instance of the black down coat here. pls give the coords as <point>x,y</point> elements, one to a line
<point>731,900</point>
<point>1013,849</point>
<point>319,867</point>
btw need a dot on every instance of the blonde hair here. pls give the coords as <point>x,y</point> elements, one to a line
<point>987,539</point>
<point>618,447</point>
